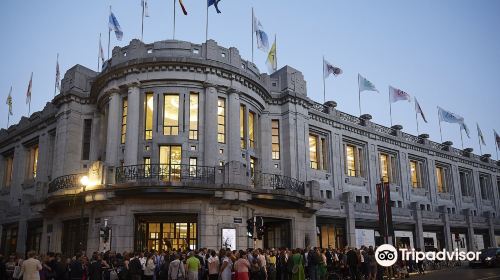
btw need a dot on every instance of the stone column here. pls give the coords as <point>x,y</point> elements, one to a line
<point>350,224</point>
<point>491,231</point>
<point>419,228</point>
<point>209,126</point>
<point>132,136</point>
<point>113,133</point>
<point>233,126</point>
<point>447,231</point>
<point>264,142</point>
<point>22,234</point>
<point>471,240</point>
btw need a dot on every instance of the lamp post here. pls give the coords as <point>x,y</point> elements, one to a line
<point>84,181</point>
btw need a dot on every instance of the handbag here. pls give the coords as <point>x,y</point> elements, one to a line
<point>17,272</point>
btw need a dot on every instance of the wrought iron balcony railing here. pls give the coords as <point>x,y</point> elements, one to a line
<point>279,182</point>
<point>166,173</point>
<point>65,182</point>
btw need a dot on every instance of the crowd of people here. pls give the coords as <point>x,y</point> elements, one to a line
<point>204,264</point>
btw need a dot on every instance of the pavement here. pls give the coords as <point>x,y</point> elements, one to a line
<point>460,273</point>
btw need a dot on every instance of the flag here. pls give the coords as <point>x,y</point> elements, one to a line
<point>115,26</point>
<point>328,69</point>
<point>396,95</point>
<point>101,51</point>
<point>364,84</point>
<point>480,135</point>
<point>262,40</point>
<point>9,101</point>
<point>497,139</point>
<point>449,117</point>
<point>58,75</point>
<point>144,4</point>
<point>271,62</point>
<point>183,8</point>
<point>464,127</point>
<point>28,92</point>
<point>418,109</point>
<point>215,3</point>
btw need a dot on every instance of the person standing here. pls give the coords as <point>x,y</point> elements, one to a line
<point>149,268</point>
<point>226,269</point>
<point>193,266</point>
<point>352,263</point>
<point>135,268</point>
<point>242,266</point>
<point>297,266</point>
<point>31,267</point>
<point>176,269</point>
<point>213,266</point>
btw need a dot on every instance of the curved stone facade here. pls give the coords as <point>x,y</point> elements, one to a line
<point>182,143</point>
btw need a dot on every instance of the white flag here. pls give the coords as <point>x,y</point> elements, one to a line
<point>262,40</point>
<point>396,95</point>
<point>144,4</point>
<point>328,69</point>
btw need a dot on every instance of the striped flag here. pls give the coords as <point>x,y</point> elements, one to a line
<point>396,95</point>
<point>480,135</point>
<point>58,75</point>
<point>183,8</point>
<point>115,26</point>
<point>418,109</point>
<point>364,84</point>
<point>497,139</point>
<point>28,92</point>
<point>9,101</point>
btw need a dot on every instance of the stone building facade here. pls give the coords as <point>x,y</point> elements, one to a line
<point>182,143</point>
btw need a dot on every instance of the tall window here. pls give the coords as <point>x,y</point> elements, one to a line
<point>9,168</point>
<point>388,168</point>
<point>275,127</point>
<point>313,151</point>
<point>148,116</point>
<point>193,116</point>
<point>354,159</point>
<point>193,165</point>
<point>221,120</point>
<point>416,173</point>
<point>147,166</point>
<point>442,179</point>
<point>466,186</point>
<point>253,161</point>
<point>171,114</point>
<point>485,186</point>
<point>243,127</point>
<point>32,162</point>
<point>251,128</point>
<point>170,163</point>
<point>87,134</point>
<point>124,120</point>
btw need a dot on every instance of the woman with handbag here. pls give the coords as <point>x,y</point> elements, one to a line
<point>176,269</point>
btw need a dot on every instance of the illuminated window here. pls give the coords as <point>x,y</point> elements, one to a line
<point>9,168</point>
<point>354,160</point>
<point>466,186</point>
<point>313,152</point>
<point>251,128</point>
<point>243,127</point>
<point>171,114</point>
<point>485,186</point>
<point>124,120</point>
<point>32,162</point>
<point>221,120</point>
<point>87,134</point>
<point>441,179</point>
<point>170,163</point>
<point>147,166</point>
<point>416,173</point>
<point>193,116</point>
<point>252,169</point>
<point>148,116</point>
<point>275,126</point>
<point>388,168</point>
<point>193,164</point>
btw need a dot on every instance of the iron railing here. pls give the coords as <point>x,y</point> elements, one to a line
<point>65,182</point>
<point>166,173</point>
<point>279,182</point>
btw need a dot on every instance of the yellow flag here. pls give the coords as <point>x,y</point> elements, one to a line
<point>272,61</point>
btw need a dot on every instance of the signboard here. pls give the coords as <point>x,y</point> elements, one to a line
<point>365,237</point>
<point>238,220</point>
<point>229,238</point>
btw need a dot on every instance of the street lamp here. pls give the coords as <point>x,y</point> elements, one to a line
<point>84,181</point>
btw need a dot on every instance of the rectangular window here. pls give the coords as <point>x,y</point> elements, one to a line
<point>87,134</point>
<point>253,161</point>
<point>243,127</point>
<point>275,139</point>
<point>170,163</point>
<point>221,120</point>
<point>442,179</point>
<point>354,160</point>
<point>388,168</point>
<point>147,166</point>
<point>313,152</point>
<point>466,186</point>
<point>32,162</point>
<point>124,120</point>
<point>171,114</point>
<point>193,116</point>
<point>148,116</point>
<point>485,186</point>
<point>9,168</point>
<point>416,168</point>
<point>193,164</point>
<point>251,129</point>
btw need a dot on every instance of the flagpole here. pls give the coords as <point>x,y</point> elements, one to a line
<point>416,120</point>
<point>173,36</point>
<point>324,88</point>
<point>479,141</point>
<point>109,34</point>
<point>440,131</point>
<point>496,147</point>
<point>359,97</point>
<point>390,106</point>
<point>99,54</point>
<point>55,83</point>
<point>252,31</point>
<point>206,27</point>
<point>142,22</point>
<point>461,138</point>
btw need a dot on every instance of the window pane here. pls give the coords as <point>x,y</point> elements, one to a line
<point>193,116</point>
<point>35,161</point>
<point>251,124</point>
<point>243,129</point>
<point>148,116</point>
<point>350,161</point>
<point>414,175</point>
<point>124,120</point>
<point>313,151</point>
<point>221,122</point>
<point>171,115</point>
<point>275,139</point>
<point>384,167</point>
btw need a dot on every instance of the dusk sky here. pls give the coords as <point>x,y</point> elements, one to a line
<point>446,53</point>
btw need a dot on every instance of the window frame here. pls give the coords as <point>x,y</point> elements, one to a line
<point>470,192</point>
<point>275,153</point>
<point>221,100</point>
<point>393,168</point>
<point>173,130</point>
<point>446,178</point>
<point>486,178</point>
<point>123,129</point>
<point>148,133</point>
<point>359,154</point>
<point>194,133</point>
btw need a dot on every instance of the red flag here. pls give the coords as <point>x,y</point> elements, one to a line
<point>183,8</point>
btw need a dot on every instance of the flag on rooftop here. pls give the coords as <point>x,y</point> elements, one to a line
<point>144,4</point>
<point>58,74</point>
<point>328,69</point>
<point>364,84</point>
<point>464,127</point>
<point>9,101</point>
<point>183,8</point>
<point>449,117</point>
<point>115,26</point>
<point>262,39</point>
<point>215,3</point>
<point>497,139</point>
<point>418,109</point>
<point>480,135</point>
<point>396,95</point>
<point>272,62</point>
<point>28,92</point>
<point>101,51</point>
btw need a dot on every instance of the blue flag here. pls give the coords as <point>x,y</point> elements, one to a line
<point>449,117</point>
<point>215,3</point>
<point>115,26</point>
<point>262,40</point>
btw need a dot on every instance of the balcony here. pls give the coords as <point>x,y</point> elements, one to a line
<point>165,173</point>
<point>279,182</point>
<point>65,182</point>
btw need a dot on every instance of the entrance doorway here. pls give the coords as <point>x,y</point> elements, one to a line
<point>164,232</point>
<point>278,233</point>
<point>74,236</point>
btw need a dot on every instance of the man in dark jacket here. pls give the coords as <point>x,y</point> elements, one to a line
<point>352,263</point>
<point>135,267</point>
<point>76,268</point>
